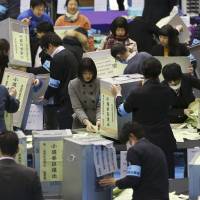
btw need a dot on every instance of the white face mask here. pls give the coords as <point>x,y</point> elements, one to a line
<point>175,87</point>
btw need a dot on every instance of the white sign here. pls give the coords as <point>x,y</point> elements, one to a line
<point>24,5</point>
<point>138,4</point>
<point>100,5</point>
<point>61,9</point>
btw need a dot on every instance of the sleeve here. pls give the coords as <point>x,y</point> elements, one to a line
<point>22,16</point>
<point>134,171</point>
<point>123,108</point>
<point>98,111</point>
<point>59,21</point>
<point>55,77</point>
<point>76,104</point>
<point>37,70</point>
<point>132,46</point>
<point>36,188</point>
<point>12,104</point>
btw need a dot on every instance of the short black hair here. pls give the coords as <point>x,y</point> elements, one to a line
<point>67,2</point>
<point>131,128</point>
<point>87,64</point>
<point>50,38</point>
<point>119,22</point>
<point>4,47</point>
<point>9,143</point>
<point>118,48</point>
<point>172,72</point>
<point>151,68</point>
<point>45,27</point>
<point>35,3</point>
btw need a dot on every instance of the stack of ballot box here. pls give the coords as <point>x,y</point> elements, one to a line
<point>48,160</point>
<point>18,36</point>
<point>111,122</point>
<point>21,156</point>
<point>22,81</point>
<point>87,158</point>
<point>194,177</point>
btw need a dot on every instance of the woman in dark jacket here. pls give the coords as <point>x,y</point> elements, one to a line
<point>169,43</point>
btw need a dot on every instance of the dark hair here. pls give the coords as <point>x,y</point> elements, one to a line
<point>50,38</point>
<point>81,30</point>
<point>87,64</point>
<point>4,48</point>
<point>172,34</point>
<point>172,72</point>
<point>45,27</point>
<point>35,3</point>
<point>118,48</point>
<point>67,2</point>
<point>9,143</point>
<point>119,22</point>
<point>151,68</point>
<point>131,127</point>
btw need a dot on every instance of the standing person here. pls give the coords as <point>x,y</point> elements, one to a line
<point>35,15</point>
<point>16,181</point>
<point>84,93</point>
<point>154,10</point>
<point>119,34</point>
<point>63,68</point>
<point>121,4</point>
<point>147,167</point>
<point>73,16</point>
<point>150,105</point>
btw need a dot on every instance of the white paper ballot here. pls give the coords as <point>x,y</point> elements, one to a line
<point>61,9</point>
<point>100,5</point>
<point>123,164</point>
<point>35,118</point>
<point>24,5</point>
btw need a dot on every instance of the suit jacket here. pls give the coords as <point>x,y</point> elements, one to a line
<point>183,98</point>
<point>150,106</point>
<point>18,182</point>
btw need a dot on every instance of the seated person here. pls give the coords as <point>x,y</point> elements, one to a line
<point>133,60</point>
<point>182,86</point>
<point>169,43</point>
<point>84,93</point>
<point>35,15</point>
<point>119,34</point>
<point>73,16</point>
<point>8,103</point>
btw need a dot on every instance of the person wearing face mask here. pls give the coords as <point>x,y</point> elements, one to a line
<point>182,86</point>
<point>133,60</point>
<point>84,93</point>
<point>73,16</point>
<point>147,171</point>
<point>35,15</point>
<point>4,51</point>
<point>119,34</point>
<point>150,105</point>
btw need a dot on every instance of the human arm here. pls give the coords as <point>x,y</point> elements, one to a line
<point>12,104</point>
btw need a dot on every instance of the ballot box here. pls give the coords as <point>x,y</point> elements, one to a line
<point>106,65</point>
<point>48,159</point>
<point>22,81</point>
<point>60,30</point>
<point>194,177</point>
<point>174,20</point>
<point>87,158</point>
<point>21,156</point>
<point>111,123</point>
<point>8,117</point>
<point>183,61</point>
<point>18,36</point>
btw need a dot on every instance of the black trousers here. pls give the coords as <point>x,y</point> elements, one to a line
<point>121,4</point>
<point>57,117</point>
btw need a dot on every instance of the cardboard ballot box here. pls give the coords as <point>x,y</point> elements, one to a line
<point>111,123</point>
<point>60,30</point>
<point>22,81</point>
<point>48,159</point>
<point>194,177</point>
<point>87,158</point>
<point>106,65</point>
<point>18,36</point>
<point>21,156</point>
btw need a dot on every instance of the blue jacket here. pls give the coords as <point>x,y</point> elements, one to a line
<point>7,103</point>
<point>34,19</point>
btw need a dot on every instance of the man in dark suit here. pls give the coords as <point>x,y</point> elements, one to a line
<point>121,4</point>
<point>17,182</point>
<point>149,105</point>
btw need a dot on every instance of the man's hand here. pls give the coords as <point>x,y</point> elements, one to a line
<point>107,182</point>
<point>188,112</point>
<point>26,21</point>
<point>116,90</point>
<point>12,91</point>
<point>89,126</point>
